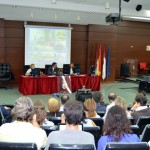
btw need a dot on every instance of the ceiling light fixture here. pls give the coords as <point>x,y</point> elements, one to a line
<point>53,1</point>
<point>107,6</point>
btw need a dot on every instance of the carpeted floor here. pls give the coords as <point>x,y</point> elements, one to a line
<point>125,90</point>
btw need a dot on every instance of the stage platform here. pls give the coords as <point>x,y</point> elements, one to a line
<point>143,81</point>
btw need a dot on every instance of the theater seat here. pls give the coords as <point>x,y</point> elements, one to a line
<point>127,146</point>
<point>95,131</point>
<point>17,146</point>
<point>145,137</point>
<point>71,147</point>
<point>99,122</point>
<point>142,122</point>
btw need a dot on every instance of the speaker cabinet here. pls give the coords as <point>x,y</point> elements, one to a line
<point>125,70</point>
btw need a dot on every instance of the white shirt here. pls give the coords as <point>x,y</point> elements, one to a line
<point>71,71</point>
<point>107,109</point>
<point>141,108</point>
<point>61,108</point>
<point>28,71</point>
<point>23,132</point>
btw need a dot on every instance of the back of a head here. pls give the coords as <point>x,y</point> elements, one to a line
<point>23,109</point>
<point>121,102</point>
<point>64,99</point>
<point>39,104</point>
<point>73,111</point>
<point>98,97</point>
<point>141,99</point>
<point>90,107</point>
<point>40,112</point>
<point>116,123</point>
<point>53,105</point>
<point>112,96</point>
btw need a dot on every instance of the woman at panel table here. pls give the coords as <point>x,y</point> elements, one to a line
<point>30,70</point>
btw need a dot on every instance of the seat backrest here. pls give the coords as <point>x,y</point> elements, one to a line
<point>135,129</point>
<point>25,68</point>
<point>49,129</point>
<point>71,147</point>
<point>4,68</point>
<point>17,146</point>
<point>142,122</point>
<point>145,137</point>
<point>95,131</point>
<point>46,68</point>
<point>127,146</point>
<point>99,122</point>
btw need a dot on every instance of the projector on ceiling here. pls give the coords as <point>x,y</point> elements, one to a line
<point>112,17</point>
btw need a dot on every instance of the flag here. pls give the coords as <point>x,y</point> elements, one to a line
<point>104,65</point>
<point>98,66</point>
<point>108,63</point>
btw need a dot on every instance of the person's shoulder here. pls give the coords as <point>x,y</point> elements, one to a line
<point>133,137</point>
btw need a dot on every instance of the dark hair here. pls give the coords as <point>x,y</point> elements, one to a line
<point>112,96</point>
<point>64,98</point>
<point>54,63</point>
<point>98,97</point>
<point>73,111</point>
<point>116,123</point>
<point>141,99</point>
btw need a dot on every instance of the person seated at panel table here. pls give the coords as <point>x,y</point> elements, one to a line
<point>72,69</point>
<point>30,71</point>
<point>53,70</point>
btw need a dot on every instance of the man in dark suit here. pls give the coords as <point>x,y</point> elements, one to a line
<point>53,70</point>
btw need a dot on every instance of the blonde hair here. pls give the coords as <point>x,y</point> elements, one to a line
<point>31,65</point>
<point>121,102</point>
<point>53,105</point>
<point>90,107</point>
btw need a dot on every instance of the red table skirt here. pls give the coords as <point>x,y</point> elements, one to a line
<point>48,84</point>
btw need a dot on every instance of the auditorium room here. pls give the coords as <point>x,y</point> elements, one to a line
<point>75,75</point>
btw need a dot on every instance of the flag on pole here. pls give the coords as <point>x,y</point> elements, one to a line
<point>104,65</point>
<point>108,63</point>
<point>98,66</point>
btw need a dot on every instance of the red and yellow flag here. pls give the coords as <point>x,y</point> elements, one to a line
<point>98,66</point>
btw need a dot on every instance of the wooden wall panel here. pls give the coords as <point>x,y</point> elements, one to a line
<point>128,40</point>
<point>1,40</point>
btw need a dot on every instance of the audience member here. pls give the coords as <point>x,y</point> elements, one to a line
<point>53,70</point>
<point>22,129</point>
<point>99,99</point>
<point>116,128</point>
<point>53,107</point>
<point>5,112</point>
<point>111,97</point>
<point>90,108</point>
<point>64,99</point>
<point>73,112</point>
<point>140,108</point>
<point>40,112</point>
<point>87,122</point>
<point>121,102</point>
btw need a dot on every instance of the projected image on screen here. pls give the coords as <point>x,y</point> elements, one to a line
<point>46,45</point>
